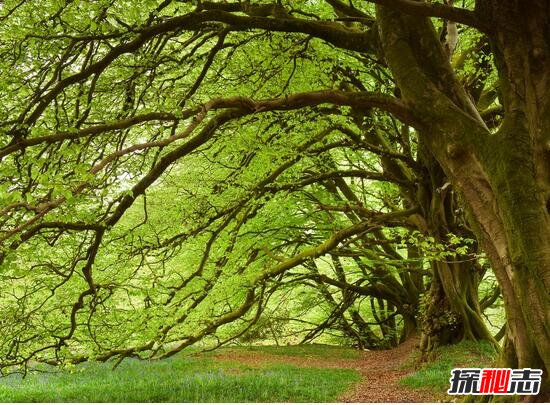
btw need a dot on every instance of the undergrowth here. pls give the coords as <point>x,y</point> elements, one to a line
<point>435,373</point>
<point>197,378</point>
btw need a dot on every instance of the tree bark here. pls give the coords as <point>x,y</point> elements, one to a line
<point>451,310</point>
<point>504,177</point>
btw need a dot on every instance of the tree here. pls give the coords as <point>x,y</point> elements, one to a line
<point>130,91</point>
<point>504,203</point>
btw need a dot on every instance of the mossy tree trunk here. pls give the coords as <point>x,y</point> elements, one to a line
<point>450,310</point>
<point>451,307</point>
<point>504,177</point>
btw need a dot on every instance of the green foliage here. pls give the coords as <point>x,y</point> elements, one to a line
<point>150,199</point>
<point>432,249</point>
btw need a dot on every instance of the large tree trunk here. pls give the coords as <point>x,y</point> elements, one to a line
<point>518,169</point>
<point>504,177</point>
<point>451,310</point>
<point>512,224</point>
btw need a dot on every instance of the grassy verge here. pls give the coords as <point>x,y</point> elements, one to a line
<point>435,374</point>
<point>179,379</point>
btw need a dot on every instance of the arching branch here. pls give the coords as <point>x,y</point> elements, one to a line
<point>425,9</point>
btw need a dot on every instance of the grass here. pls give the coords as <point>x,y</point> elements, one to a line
<point>180,379</point>
<point>436,373</point>
<point>310,350</point>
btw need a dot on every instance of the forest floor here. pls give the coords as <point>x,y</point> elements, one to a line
<point>300,373</point>
<point>380,372</point>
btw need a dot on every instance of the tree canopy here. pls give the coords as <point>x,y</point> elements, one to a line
<point>178,170</point>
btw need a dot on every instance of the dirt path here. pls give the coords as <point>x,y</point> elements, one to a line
<point>380,371</point>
